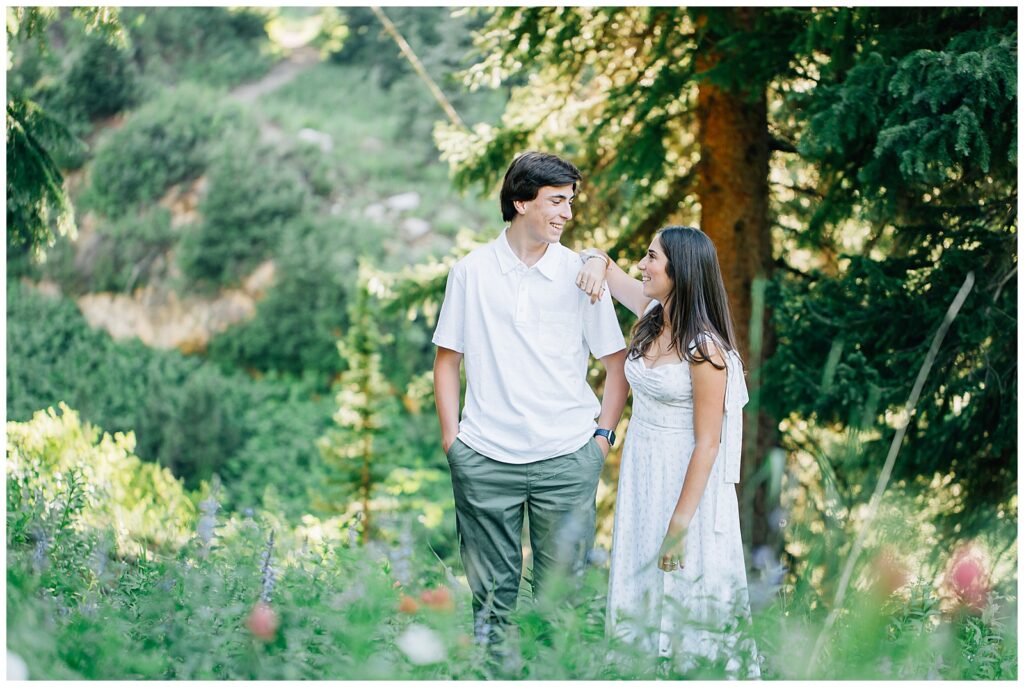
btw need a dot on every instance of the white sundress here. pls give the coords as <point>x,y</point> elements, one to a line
<point>702,610</point>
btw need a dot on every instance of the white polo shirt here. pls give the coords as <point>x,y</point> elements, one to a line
<point>526,334</point>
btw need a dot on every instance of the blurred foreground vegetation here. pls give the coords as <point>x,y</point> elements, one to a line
<point>117,571</point>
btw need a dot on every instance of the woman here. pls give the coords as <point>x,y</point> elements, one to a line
<point>678,582</point>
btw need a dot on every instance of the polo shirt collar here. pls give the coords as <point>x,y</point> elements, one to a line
<point>507,259</point>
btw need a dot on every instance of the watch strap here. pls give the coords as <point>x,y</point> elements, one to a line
<point>608,434</point>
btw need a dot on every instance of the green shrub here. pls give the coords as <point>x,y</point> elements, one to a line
<point>250,200</point>
<point>275,464</point>
<point>163,143</point>
<point>218,46</point>
<point>317,168</point>
<point>101,81</point>
<point>123,255</point>
<point>186,414</point>
<point>303,314</point>
<point>55,452</point>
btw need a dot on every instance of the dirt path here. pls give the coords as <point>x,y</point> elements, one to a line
<point>299,60</point>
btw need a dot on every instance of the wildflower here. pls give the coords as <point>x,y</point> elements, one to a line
<point>401,566</point>
<point>761,557</point>
<point>263,622</point>
<point>407,604</point>
<point>439,599</point>
<point>568,540</point>
<point>778,519</point>
<point>967,578</point>
<point>597,556</point>
<point>354,593</point>
<point>762,590</point>
<point>268,571</point>
<point>889,573</point>
<point>39,560</point>
<point>421,645</point>
<point>16,668</point>
<point>482,626</point>
<point>208,520</point>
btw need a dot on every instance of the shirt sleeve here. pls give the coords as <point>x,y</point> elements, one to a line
<point>601,327</point>
<point>451,322</point>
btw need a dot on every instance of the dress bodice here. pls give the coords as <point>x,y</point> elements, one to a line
<point>662,395</point>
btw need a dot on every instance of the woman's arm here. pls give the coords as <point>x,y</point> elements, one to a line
<point>708,415</point>
<point>625,289</point>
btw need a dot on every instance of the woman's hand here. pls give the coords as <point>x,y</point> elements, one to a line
<point>591,277</point>
<point>673,547</point>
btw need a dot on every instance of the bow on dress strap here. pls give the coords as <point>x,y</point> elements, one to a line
<point>730,449</point>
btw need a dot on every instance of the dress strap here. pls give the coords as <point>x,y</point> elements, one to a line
<point>730,448</point>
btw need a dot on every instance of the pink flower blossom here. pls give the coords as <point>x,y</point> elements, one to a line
<point>967,577</point>
<point>263,622</point>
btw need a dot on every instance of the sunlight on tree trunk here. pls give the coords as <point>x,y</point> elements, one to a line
<point>733,191</point>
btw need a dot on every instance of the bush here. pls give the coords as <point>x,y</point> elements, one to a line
<point>101,81</point>
<point>163,143</point>
<point>250,200</point>
<point>123,255</point>
<point>186,414</point>
<point>119,256</point>
<point>328,608</point>
<point>55,458</point>
<point>218,46</point>
<point>274,464</point>
<point>304,314</point>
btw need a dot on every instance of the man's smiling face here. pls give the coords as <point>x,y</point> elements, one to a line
<point>545,216</point>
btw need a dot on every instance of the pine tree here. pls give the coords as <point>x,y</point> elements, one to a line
<point>910,129</point>
<point>368,408</point>
<point>891,139</point>
<point>38,207</point>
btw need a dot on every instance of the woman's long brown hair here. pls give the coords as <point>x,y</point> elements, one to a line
<point>698,302</point>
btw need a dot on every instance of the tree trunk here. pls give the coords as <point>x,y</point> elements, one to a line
<point>733,191</point>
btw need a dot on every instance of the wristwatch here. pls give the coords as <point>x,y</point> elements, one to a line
<point>608,434</point>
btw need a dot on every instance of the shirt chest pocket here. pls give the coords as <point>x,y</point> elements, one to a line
<point>559,332</point>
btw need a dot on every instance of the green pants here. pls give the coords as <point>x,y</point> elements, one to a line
<point>490,498</point>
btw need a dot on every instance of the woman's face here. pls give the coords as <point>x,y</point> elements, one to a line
<point>654,272</point>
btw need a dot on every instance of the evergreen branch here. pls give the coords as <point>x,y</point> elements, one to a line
<point>657,215</point>
<point>1002,283</point>
<point>802,190</point>
<point>780,145</point>
<point>781,264</point>
<point>417,66</point>
<point>890,461</point>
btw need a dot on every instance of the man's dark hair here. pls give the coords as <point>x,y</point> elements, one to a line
<point>528,173</point>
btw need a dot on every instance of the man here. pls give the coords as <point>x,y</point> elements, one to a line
<point>527,439</point>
